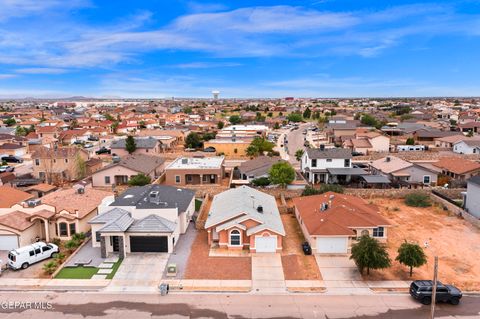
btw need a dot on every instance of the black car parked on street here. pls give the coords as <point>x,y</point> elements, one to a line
<point>422,291</point>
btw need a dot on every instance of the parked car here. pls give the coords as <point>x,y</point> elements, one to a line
<point>88,145</point>
<point>12,159</point>
<point>25,256</point>
<point>78,142</point>
<point>6,168</point>
<point>422,291</point>
<point>307,250</point>
<point>190,150</point>
<point>209,150</point>
<point>93,138</point>
<point>103,150</point>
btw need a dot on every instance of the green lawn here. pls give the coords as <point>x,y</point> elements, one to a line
<point>84,272</point>
<point>198,204</point>
<point>77,273</point>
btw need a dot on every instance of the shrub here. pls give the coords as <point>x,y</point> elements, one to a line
<point>261,181</point>
<point>78,236</point>
<point>139,180</point>
<point>418,200</point>
<point>59,258</point>
<point>50,267</point>
<point>71,245</point>
<point>308,191</point>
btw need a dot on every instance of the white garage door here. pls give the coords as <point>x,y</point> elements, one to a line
<point>8,242</point>
<point>332,245</point>
<point>266,244</point>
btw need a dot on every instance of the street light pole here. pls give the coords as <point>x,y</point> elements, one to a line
<point>434,290</point>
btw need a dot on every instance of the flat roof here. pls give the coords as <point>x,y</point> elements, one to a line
<point>197,162</point>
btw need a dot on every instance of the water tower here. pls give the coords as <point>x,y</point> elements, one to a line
<point>215,94</point>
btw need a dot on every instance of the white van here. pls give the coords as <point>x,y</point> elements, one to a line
<point>25,256</point>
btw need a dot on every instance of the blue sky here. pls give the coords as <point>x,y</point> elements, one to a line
<point>161,48</point>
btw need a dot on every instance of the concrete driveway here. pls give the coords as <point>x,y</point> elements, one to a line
<point>139,272</point>
<point>267,273</point>
<point>341,275</point>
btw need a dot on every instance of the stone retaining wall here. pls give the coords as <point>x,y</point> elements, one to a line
<point>456,210</point>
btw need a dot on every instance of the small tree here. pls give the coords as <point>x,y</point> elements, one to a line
<point>282,173</point>
<point>298,155</point>
<point>276,126</point>
<point>411,255</point>
<point>139,180</point>
<point>252,150</point>
<point>193,140</point>
<point>20,131</point>
<point>9,122</point>
<point>235,119</point>
<point>410,141</point>
<point>369,254</point>
<point>130,144</point>
<point>220,125</point>
<point>307,113</point>
<point>418,200</point>
<point>295,117</point>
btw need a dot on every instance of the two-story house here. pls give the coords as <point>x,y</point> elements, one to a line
<point>143,219</point>
<point>333,165</point>
<point>59,164</point>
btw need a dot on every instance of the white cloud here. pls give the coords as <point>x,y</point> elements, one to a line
<point>206,65</point>
<point>41,71</point>
<point>21,8</point>
<point>7,76</point>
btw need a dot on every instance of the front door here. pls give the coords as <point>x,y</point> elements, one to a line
<point>115,243</point>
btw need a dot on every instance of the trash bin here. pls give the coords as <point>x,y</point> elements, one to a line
<point>164,288</point>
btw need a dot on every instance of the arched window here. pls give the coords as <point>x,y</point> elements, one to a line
<point>365,233</point>
<point>235,238</point>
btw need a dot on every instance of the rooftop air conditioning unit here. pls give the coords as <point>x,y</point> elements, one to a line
<point>81,190</point>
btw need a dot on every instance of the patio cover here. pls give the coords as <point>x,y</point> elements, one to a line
<point>376,179</point>
<point>347,171</point>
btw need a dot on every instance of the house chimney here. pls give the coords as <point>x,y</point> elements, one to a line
<point>387,159</point>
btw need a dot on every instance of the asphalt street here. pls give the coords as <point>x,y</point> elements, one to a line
<point>100,305</point>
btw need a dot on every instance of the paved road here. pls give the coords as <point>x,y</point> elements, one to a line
<point>295,142</point>
<point>94,305</point>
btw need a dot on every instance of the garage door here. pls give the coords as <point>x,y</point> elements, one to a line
<point>332,245</point>
<point>145,244</point>
<point>266,244</point>
<point>8,242</point>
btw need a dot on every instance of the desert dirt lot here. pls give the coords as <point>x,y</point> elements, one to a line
<point>296,266</point>
<point>452,239</point>
<point>201,266</point>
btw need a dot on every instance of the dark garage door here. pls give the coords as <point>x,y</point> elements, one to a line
<point>145,244</point>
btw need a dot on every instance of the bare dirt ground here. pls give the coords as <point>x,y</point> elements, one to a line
<point>452,239</point>
<point>296,266</point>
<point>201,266</point>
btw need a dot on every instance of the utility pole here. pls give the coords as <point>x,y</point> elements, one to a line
<point>434,289</point>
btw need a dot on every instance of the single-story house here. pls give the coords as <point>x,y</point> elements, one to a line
<point>458,168</point>
<point>245,218</point>
<point>332,222</point>
<point>143,219</point>
<point>257,167</point>
<point>195,170</point>
<point>145,145</point>
<point>129,166</point>
<point>398,170</point>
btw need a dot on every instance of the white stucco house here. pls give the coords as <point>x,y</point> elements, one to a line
<point>467,147</point>
<point>149,218</point>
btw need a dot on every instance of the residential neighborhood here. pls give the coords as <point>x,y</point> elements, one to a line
<point>239,159</point>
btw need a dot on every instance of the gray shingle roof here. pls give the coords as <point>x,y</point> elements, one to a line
<point>107,217</point>
<point>138,162</point>
<point>148,142</point>
<point>244,200</point>
<point>316,153</point>
<point>152,223</point>
<point>120,224</point>
<point>169,197</point>
<point>258,166</point>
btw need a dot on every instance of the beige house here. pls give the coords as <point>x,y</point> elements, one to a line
<point>229,147</point>
<point>58,165</point>
<point>195,171</point>
<point>129,166</point>
<point>146,146</point>
<point>58,214</point>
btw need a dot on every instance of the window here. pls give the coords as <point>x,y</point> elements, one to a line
<point>31,253</point>
<point>189,178</point>
<point>62,229</point>
<point>364,233</point>
<point>97,237</point>
<point>235,238</point>
<point>38,251</point>
<point>329,160</point>
<point>73,229</point>
<point>426,179</point>
<point>314,163</point>
<point>378,232</point>
<point>66,160</point>
<point>107,179</point>
<point>177,179</point>
<point>347,162</point>
<point>46,248</point>
<point>37,162</point>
